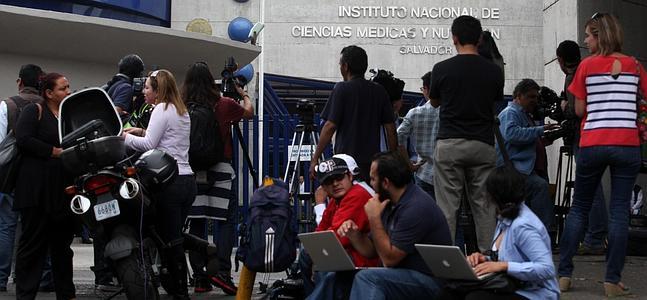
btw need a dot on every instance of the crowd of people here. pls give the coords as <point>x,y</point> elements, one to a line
<point>48,226</point>
<point>505,185</point>
<point>378,202</point>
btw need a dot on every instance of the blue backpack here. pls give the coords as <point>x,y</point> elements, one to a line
<point>268,238</point>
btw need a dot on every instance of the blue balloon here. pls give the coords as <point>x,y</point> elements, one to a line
<point>239,28</point>
<point>246,72</point>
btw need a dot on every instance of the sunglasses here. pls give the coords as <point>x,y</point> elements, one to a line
<point>333,178</point>
<point>597,15</point>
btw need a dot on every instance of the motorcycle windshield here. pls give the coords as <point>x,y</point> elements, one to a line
<point>86,106</point>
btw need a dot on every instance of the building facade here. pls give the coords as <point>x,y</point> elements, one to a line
<point>302,38</point>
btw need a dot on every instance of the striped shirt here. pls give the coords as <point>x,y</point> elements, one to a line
<point>610,100</point>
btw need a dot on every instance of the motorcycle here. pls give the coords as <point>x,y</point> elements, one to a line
<point>111,191</point>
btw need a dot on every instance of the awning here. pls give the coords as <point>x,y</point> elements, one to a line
<point>104,41</point>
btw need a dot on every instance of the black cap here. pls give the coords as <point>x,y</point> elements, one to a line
<point>329,167</point>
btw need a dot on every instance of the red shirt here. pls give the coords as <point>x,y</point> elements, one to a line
<point>351,207</point>
<point>610,117</point>
<point>228,111</point>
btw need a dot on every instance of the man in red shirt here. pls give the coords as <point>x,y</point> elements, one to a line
<point>346,202</point>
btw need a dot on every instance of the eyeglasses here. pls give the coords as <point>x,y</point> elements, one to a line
<point>333,178</point>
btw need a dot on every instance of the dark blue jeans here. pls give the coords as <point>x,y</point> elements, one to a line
<point>597,229</point>
<point>8,226</point>
<point>8,221</point>
<point>538,200</point>
<point>391,283</point>
<point>624,164</point>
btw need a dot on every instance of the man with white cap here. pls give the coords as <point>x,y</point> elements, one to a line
<point>346,202</point>
<point>321,198</point>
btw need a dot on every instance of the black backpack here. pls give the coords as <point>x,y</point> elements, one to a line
<point>268,238</point>
<point>207,147</point>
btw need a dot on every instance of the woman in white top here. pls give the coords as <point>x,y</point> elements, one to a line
<point>169,130</point>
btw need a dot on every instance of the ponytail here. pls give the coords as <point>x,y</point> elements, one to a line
<point>506,187</point>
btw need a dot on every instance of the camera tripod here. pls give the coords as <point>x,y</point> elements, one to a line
<point>303,133</point>
<point>248,160</point>
<point>565,185</point>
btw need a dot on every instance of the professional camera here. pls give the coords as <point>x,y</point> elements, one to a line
<point>393,86</point>
<point>306,110</point>
<point>138,85</point>
<point>231,78</point>
<point>549,106</point>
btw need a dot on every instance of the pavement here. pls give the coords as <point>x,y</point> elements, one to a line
<point>587,279</point>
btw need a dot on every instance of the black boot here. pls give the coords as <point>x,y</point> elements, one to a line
<point>177,273</point>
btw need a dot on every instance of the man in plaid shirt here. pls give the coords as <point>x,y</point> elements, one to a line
<point>422,123</point>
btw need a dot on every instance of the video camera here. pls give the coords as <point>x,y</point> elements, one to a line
<point>549,105</point>
<point>306,111</point>
<point>231,79</point>
<point>394,86</point>
<point>138,85</point>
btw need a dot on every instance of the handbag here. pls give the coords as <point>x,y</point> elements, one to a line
<point>10,156</point>
<point>641,122</point>
<point>498,283</point>
<point>9,163</point>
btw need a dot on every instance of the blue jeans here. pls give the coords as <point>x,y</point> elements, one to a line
<point>429,188</point>
<point>8,225</point>
<point>538,200</point>
<point>598,221</point>
<point>332,285</point>
<point>8,221</point>
<point>597,229</point>
<point>390,283</point>
<point>624,163</point>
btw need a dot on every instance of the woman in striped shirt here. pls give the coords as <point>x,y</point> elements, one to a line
<point>605,86</point>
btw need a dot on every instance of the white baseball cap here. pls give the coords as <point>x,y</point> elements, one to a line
<point>350,162</point>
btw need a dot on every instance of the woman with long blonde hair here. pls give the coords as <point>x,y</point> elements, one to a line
<point>169,130</point>
<point>605,86</point>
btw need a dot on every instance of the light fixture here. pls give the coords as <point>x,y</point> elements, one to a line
<point>255,31</point>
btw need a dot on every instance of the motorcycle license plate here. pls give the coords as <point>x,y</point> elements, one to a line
<point>106,210</point>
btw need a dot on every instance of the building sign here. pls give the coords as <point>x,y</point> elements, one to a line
<point>415,38</point>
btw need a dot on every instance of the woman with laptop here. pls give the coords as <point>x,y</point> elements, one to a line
<point>520,249</point>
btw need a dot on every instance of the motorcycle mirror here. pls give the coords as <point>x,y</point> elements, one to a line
<point>80,204</point>
<point>129,189</point>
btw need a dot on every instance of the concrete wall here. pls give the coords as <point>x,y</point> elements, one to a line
<point>81,74</point>
<point>290,49</point>
<point>559,24</point>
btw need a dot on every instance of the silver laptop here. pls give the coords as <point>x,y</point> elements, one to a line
<point>448,262</point>
<point>326,251</point>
